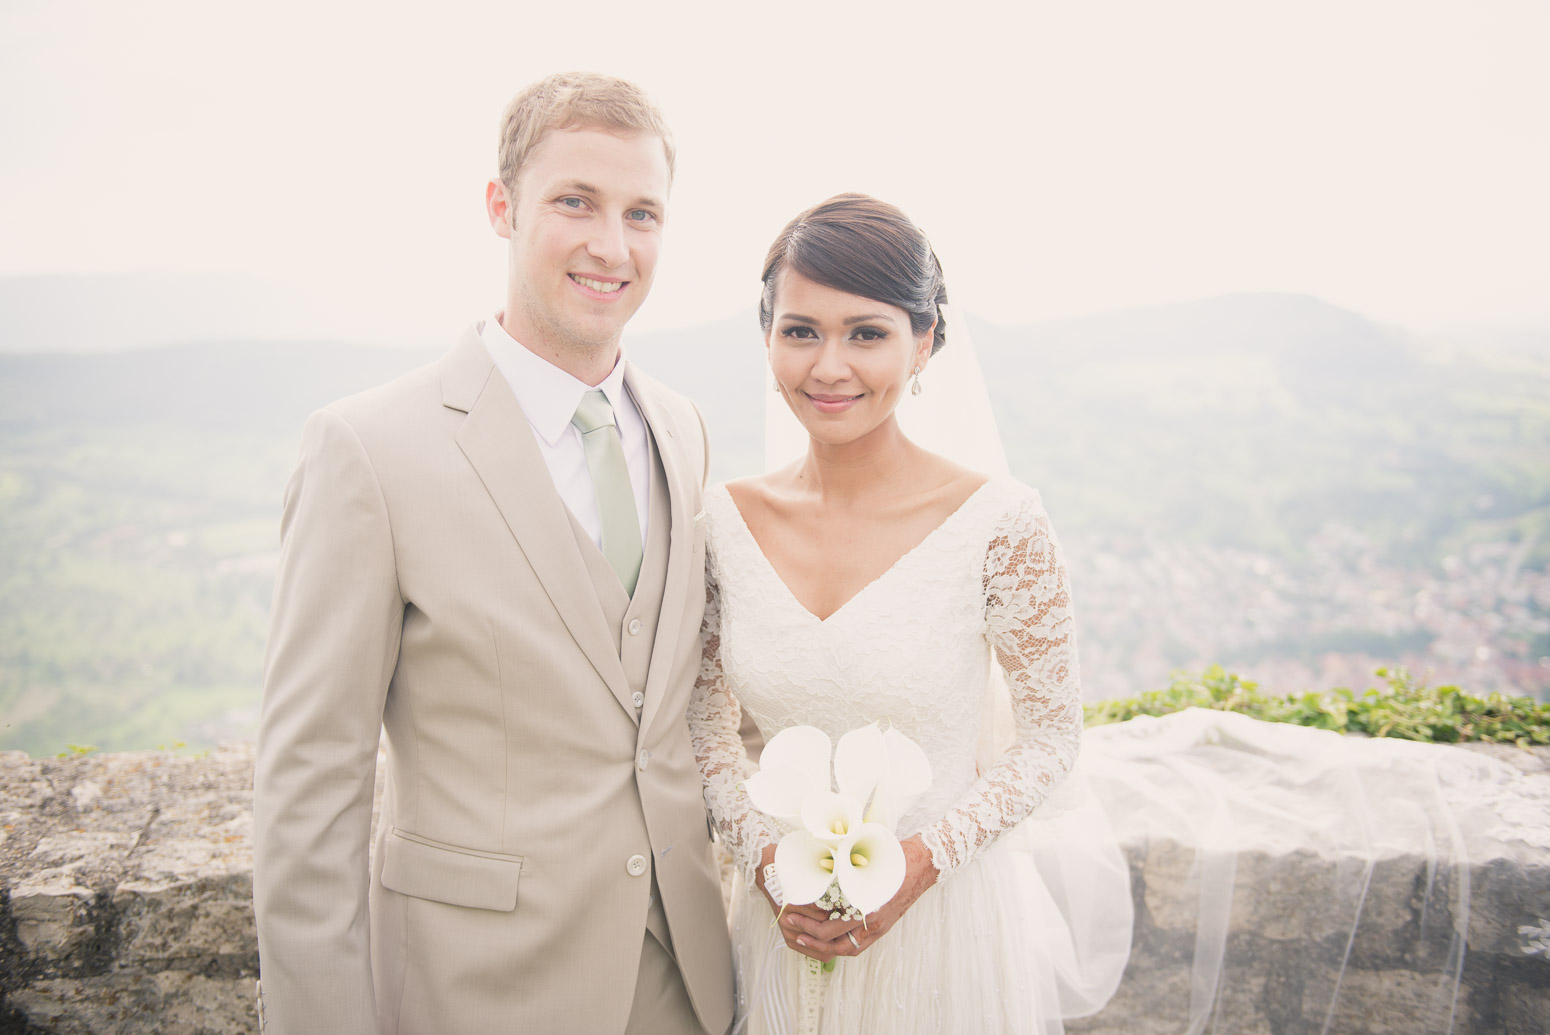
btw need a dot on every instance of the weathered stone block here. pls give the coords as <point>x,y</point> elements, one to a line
<point>1151,997</point>
<point>81,846</point>
<point>1504,896</point>
<point>52,916</point>
<point>1155,998</point>
<point>169,1003</point>
<point>1387,1002</point>
<point>1170,875</point>
<point>1407,914</point>
<point>1299,895</point>
<point>22,783</point>
<point>1525,1010</point>
<point>179,920</point>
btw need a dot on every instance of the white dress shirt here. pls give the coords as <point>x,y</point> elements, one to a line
<point>549,397</point>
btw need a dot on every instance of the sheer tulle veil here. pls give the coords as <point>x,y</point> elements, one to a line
<point>1348,859</point>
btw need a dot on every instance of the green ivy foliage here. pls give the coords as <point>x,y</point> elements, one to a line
<point>1403,707</point>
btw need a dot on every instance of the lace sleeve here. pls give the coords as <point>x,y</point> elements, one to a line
<point>714,719</point>
<point>1029,624</point>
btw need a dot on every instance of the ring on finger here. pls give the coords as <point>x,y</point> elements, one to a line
<point>852,936</point>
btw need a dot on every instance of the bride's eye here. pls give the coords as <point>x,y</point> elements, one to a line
<point>799,331</point>
<point>870,334</point>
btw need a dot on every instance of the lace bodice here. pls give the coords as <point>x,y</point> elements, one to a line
<point>912,649</point>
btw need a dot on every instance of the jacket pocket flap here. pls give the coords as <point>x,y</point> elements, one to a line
<point>445,873</point>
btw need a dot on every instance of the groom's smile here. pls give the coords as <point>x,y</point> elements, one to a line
<point>599,287</point>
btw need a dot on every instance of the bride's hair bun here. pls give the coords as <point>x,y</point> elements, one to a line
<point>861,246</point>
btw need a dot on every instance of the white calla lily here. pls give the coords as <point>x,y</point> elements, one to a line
<point>806,747</point>
<point>860,759</point>
<point>779,791</point>
<point>831,817</point>
<point>793,765</point>
<point>905,778</point>
<point>869,867</point>
<point>805,865</point>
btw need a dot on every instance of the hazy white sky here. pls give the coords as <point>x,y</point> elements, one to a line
<point>1064,157</point>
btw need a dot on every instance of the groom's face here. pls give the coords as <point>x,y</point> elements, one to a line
<point>585,227</point>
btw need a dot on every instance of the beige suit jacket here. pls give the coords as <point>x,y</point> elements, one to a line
<point>431,585</point>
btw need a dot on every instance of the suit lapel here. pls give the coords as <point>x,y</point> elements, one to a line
<point>680,491</point>
<point>498,441</point>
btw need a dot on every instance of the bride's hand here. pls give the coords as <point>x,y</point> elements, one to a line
<point>808,929</point>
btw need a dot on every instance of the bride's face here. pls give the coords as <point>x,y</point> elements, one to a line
<point>840,360</point>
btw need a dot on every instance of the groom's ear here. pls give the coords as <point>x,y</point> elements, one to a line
<point>497,203</point>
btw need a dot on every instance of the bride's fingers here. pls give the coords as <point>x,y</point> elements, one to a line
<point>800,922</point>
<point>836,930</point>
<point>805,921</point>
<point>823,951</point>
<point>821,929</point>
<point>810,911</point>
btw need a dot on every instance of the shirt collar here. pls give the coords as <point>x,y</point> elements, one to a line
<point>548,395</point>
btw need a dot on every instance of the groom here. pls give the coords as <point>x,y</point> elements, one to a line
<point>498,559</point>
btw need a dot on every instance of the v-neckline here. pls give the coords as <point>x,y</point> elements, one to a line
<point>899,560</point>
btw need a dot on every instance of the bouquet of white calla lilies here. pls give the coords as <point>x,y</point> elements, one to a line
<point>844,838</point>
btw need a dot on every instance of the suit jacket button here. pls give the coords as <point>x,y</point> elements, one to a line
<point>634,626</point>
<point>636,866</point>
<point>638,699</point>
<point>645,757</point>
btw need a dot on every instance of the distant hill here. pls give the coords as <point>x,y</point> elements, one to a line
<point>1244,420</point>
<point>1283,325</point>
<point>209,386</point>
<point>1252,420</point>
<point>1262,479</point>
<point>117,312</point>
<point>232,386</point>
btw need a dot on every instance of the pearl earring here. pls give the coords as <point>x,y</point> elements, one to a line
<point>915,383</point>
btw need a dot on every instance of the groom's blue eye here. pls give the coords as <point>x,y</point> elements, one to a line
<point>571,202</point>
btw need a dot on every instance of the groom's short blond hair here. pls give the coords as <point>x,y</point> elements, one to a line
<point>575,99</point>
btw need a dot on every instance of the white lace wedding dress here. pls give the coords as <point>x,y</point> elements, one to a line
<point>1030,921</point>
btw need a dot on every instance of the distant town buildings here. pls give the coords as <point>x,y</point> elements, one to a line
<point>1146,607</point>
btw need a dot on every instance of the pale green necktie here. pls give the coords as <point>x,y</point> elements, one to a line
<point>611,480</point>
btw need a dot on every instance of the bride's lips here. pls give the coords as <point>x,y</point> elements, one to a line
<point>602,289</point>
<point>827,403</point>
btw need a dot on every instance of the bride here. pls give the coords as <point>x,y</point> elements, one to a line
<point>874,581</point>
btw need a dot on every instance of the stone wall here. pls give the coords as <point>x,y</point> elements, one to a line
<point>126,885</point>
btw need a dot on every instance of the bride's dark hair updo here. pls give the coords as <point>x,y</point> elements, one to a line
<point>861,246</point>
